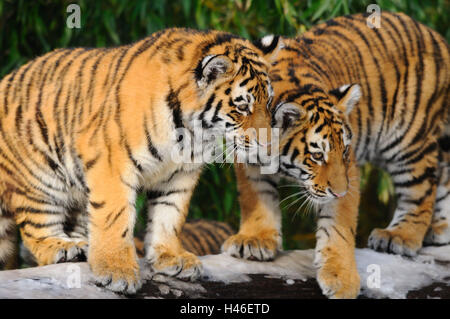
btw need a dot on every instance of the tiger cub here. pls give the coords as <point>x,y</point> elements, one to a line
<point>82,130</point>
<point>356,94</point>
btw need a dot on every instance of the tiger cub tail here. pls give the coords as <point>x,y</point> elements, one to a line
<point>200,237</point>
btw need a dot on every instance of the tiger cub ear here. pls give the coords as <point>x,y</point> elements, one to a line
<point>348,95</point>
<point>212,68</point>
<point>270,45</point>
<point>286,115</point>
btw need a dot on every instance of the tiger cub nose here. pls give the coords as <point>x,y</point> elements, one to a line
<point>337,194</point>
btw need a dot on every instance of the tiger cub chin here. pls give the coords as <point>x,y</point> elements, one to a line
<point>82,130</point>
<point>356,94</point>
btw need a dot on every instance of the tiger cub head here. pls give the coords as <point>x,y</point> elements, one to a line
<point>234,88</point>
<point>315,145</point>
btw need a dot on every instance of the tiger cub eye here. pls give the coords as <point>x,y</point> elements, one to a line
<point>318,156</point>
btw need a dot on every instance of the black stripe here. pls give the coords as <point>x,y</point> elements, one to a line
<point>325,231</point>
<point>196,241</point>
<point>295,153</point>
<point>432,147</point>
<point>97,205</point>
<point>339,233</point>
<point>22,175</point>
<point>220,39</point>
<point>216,112</point>
<point>121,211</point>
<point>154,194</point>
<point>208,106</point>
<point>19,158</point>
<point>132,159</point>
<point>269,48</point>
<point>174,104</point>
<point>287,146</point>
<point>28,194</point>
<point>211,236</point>
<point>32,210</point>
<point>6,94</point>
<point>89,164</point>
<point>429,174</point>
<point>152,149</point>
<point>419,200</point>
<point>39,225</point>
<point>224,227</point>
<point>165,203</point>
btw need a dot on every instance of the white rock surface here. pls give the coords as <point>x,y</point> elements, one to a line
<point>63,281</point>
<point>294,264</point>
<point>398,275</point>
<point>382,275</point>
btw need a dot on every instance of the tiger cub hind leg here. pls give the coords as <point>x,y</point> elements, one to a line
<point>259,236</point>
<point>54,250</point>
<point>167,210</point>
<point>75,227</point>
<point>439,231</point>
<point>415,184</point>
<point>43,234</point>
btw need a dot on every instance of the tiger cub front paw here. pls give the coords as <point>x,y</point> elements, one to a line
<point>396,241</point>
<point>180,264</point>
<point>262,246</point>
<point>337,274</point>
<point>116,270</point>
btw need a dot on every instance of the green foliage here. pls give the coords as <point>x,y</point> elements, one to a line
<point>31,28</point>
<point>216,195</point>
